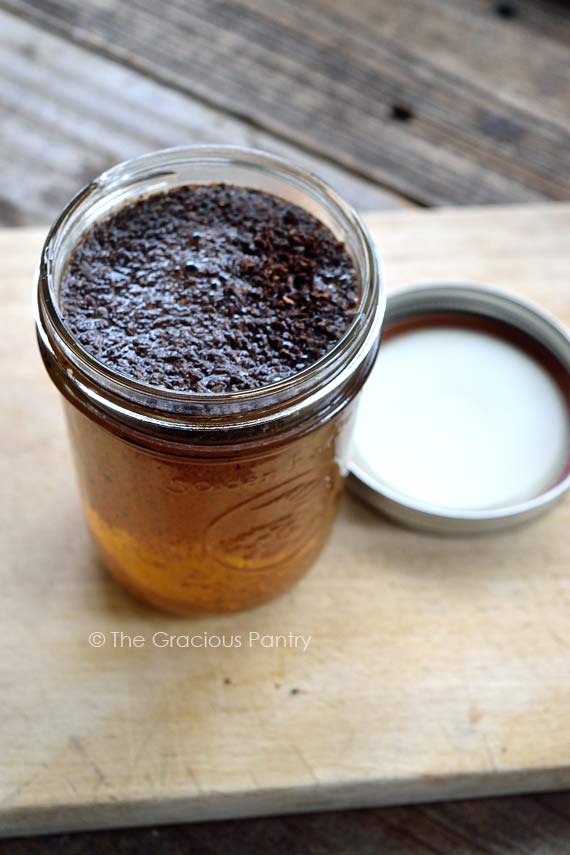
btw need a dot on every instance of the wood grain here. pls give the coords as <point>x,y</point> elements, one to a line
<point>510,57</point>
<point>438,667</point>
<point>55,138</point>
<point>525,825</point>
<point>440,107</point>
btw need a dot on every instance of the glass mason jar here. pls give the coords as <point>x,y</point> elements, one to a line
<point>209,502</point>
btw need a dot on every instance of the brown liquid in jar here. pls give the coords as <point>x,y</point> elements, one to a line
<point>209,288</point>
<point>215,534</point>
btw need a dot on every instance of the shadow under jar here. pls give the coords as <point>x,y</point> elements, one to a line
<point>220,501</point>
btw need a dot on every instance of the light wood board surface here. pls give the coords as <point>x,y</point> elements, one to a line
<point>436,668</point>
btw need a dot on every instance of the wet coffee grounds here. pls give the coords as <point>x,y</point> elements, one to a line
<point>209,288</point>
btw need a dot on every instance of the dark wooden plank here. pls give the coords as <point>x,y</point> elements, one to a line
<point>522,825</point>
<point>334,85</point>
<point>510,56</point>
<point>507,826</point>
<point>68,114</point>
<point>549,18</point>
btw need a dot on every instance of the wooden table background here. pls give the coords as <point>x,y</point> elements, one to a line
<point>418,102</point>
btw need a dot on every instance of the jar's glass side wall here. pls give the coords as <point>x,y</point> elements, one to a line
<point>195,534</point>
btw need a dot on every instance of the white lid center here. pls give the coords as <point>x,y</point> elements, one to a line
<point>461,419</point>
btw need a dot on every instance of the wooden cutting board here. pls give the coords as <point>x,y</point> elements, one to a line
<point>437,668</point>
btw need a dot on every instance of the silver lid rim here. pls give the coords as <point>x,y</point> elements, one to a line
<point>488,302</point>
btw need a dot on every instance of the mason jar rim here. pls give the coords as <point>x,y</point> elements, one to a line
<point>133,400</point>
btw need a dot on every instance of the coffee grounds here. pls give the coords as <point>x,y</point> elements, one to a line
<point>209,288</point>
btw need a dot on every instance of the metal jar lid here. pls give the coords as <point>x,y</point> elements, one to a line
<point>464,424</point>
